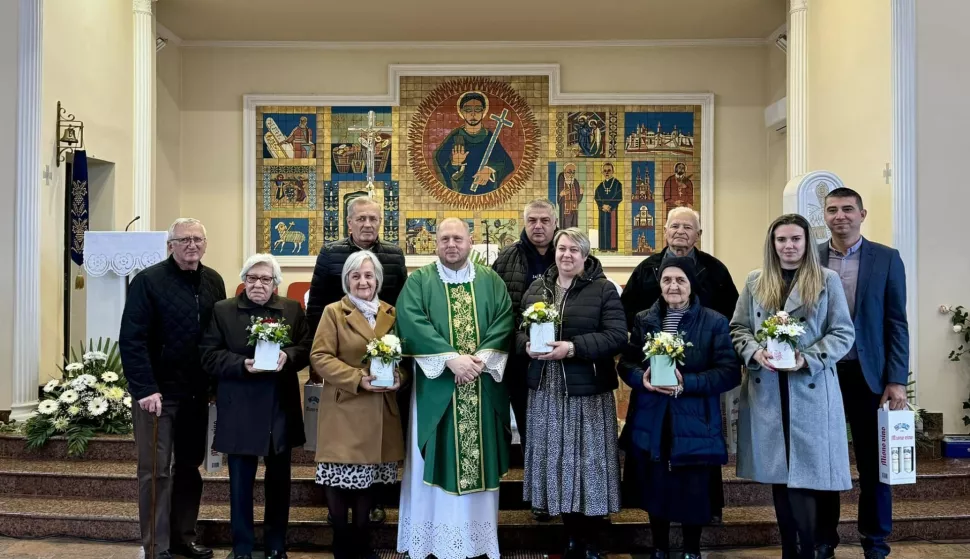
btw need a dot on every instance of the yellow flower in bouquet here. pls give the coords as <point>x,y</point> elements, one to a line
<point>539,313</point>
<point>666,344</point>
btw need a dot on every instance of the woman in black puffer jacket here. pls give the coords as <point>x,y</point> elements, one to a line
<point>571,456</point>
<point>675,432</point>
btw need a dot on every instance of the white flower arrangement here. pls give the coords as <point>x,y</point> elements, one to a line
<point>780,327</point>
<point>89,399</point>
<point>386,349</point>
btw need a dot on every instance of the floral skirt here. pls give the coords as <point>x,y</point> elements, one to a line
<point>355,476</point>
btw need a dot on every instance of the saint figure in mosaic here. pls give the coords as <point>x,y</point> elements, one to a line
<point>471,159</point>
<point>679,189</point>
<point>569,196</point>
<point>608,196</point>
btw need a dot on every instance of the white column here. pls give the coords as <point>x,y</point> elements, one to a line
<point>798,89</point>
<point>26,319</point>
<point>144,53</point>
<point>904,156</point>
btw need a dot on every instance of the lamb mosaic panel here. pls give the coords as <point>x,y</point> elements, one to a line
<point>477,148</point>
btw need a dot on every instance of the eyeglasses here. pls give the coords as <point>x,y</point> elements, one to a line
<point>265,280</point>
<point>186,241</point>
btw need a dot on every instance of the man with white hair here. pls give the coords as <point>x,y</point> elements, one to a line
<point>455,318</point>
<point>715,290</point>
<point>168,309</point>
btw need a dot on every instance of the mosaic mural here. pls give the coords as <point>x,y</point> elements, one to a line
<point>477,148</point>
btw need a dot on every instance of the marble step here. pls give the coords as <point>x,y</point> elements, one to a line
<point>114,480</point>
<point>628,531</point>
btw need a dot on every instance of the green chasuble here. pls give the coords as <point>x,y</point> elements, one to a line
<point>464,432</point>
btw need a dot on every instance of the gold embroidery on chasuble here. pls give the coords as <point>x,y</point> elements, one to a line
<point>467,399</point>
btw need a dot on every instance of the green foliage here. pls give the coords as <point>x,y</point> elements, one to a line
<point>478,258</point>
<point>960,324</point>
<point>38,430</point>
<point>106,346</point>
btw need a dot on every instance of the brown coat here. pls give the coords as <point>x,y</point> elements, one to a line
<point>354,426</point>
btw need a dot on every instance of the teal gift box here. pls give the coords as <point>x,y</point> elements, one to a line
<point>663,371</point>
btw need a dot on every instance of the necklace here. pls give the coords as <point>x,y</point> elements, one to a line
<point>608,185</point>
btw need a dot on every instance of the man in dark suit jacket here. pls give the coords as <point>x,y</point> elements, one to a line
<point>876,369</point>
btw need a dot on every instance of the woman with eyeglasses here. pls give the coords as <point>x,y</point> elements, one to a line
<point>260,412</point>
<point>809,454</point>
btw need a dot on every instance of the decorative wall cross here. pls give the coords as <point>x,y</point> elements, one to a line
<point>887,173</point>
<point>368,138</point>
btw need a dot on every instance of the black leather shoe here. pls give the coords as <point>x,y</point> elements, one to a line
<point>378,515</point>
<point>245,556</point>
<point>192,551</point>
<point>593,553</point>
<point>276,555</point>
<point>716,520</point>
<point>692,556</point>
<point>574,550</point>
<point>163,555</point>
<point>657,554</point>
<point>541,515</point>
<point>824,551</point>
<point>873,554</point>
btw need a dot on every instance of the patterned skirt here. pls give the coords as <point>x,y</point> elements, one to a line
<point>571,458</point>
<point>355,476</point>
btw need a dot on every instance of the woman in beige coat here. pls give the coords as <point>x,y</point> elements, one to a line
<point>359,438</point>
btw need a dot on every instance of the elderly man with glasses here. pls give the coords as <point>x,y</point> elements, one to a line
<point>168,308</point>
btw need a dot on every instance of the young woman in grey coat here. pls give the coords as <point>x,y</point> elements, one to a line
<point>810,453</point>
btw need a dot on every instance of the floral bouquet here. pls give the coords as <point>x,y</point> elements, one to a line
<point>541,320</point>
<point>268,335</point>
<point>384,354</point>
<point>663,349</point>
<point>781,333</point>
<point>88,400</point>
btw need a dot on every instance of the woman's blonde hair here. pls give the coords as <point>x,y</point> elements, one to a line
<point>769,288</point>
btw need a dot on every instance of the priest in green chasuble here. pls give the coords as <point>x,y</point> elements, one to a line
<point>455,318</point>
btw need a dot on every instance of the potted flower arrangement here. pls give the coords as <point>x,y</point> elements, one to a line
<point>268,335</point>
<point>540,319</point>
<point>91,398</point>
<point>780,334</point>
<point>663,349</point>
<point>384,354</point>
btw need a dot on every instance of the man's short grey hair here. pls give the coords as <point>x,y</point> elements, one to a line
<point>540,203</point>
<point>681,211</point>
<point>363,201</point>
<point>262,258</point>
<point>355,261</point>
<point>184,222</point>
<point>576,235</point>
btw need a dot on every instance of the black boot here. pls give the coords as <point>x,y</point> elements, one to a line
<point>574,550</point>
<point>343,543</point>
<point>658,554</point>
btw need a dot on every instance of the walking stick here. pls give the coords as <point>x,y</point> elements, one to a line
<point>154,478</point>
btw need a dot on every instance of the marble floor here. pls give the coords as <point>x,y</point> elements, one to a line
<point>58,549</point>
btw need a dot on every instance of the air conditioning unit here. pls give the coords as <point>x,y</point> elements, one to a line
<point>776,115</point>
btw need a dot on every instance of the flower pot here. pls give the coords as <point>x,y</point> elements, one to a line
<point>540,335</point>
<point>383,373</point>
<point>781,354</point>
<point>663,371</point>
<point>267,356</point>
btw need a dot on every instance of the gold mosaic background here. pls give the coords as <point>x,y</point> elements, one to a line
<point>300,210</point>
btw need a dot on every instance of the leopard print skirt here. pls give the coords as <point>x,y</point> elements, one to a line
<point>355,476</point>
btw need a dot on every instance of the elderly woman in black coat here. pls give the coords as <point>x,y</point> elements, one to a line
<point>675,432</point>
<point>571,456</point>
<point>260,413</point>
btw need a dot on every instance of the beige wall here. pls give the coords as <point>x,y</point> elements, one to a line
<point>850,101</point>
<point>8,166</point>
<point>214,81</point>
<point>168,136</point>
<point>777,142</point>
<point>93,79</point>
<point>943,78</point>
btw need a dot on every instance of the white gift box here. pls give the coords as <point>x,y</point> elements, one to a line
<point>213,459</point>
<point>781,354</point>
<point>267,356</point>
<point>897,446</point>
<point>383,373</point>
<point>540,335</point>
<point>663,371</point>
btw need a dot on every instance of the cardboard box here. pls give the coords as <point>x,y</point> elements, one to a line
<point>213,459</point>
<point>897,446</point>
<point>956,446</point>
<point>311,408</point>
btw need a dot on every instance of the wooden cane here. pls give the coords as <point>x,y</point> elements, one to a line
<point>154,478</point>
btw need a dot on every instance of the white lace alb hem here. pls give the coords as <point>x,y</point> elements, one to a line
<point>449,541</point>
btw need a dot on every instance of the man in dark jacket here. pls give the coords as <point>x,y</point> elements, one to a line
<point>519,264</point>
<point>326,286</point>
<point>715,291</point>
<point>168,308</point>
<point>876,369</point>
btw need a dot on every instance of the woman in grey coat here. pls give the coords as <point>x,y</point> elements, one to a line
<point>810,453</point>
